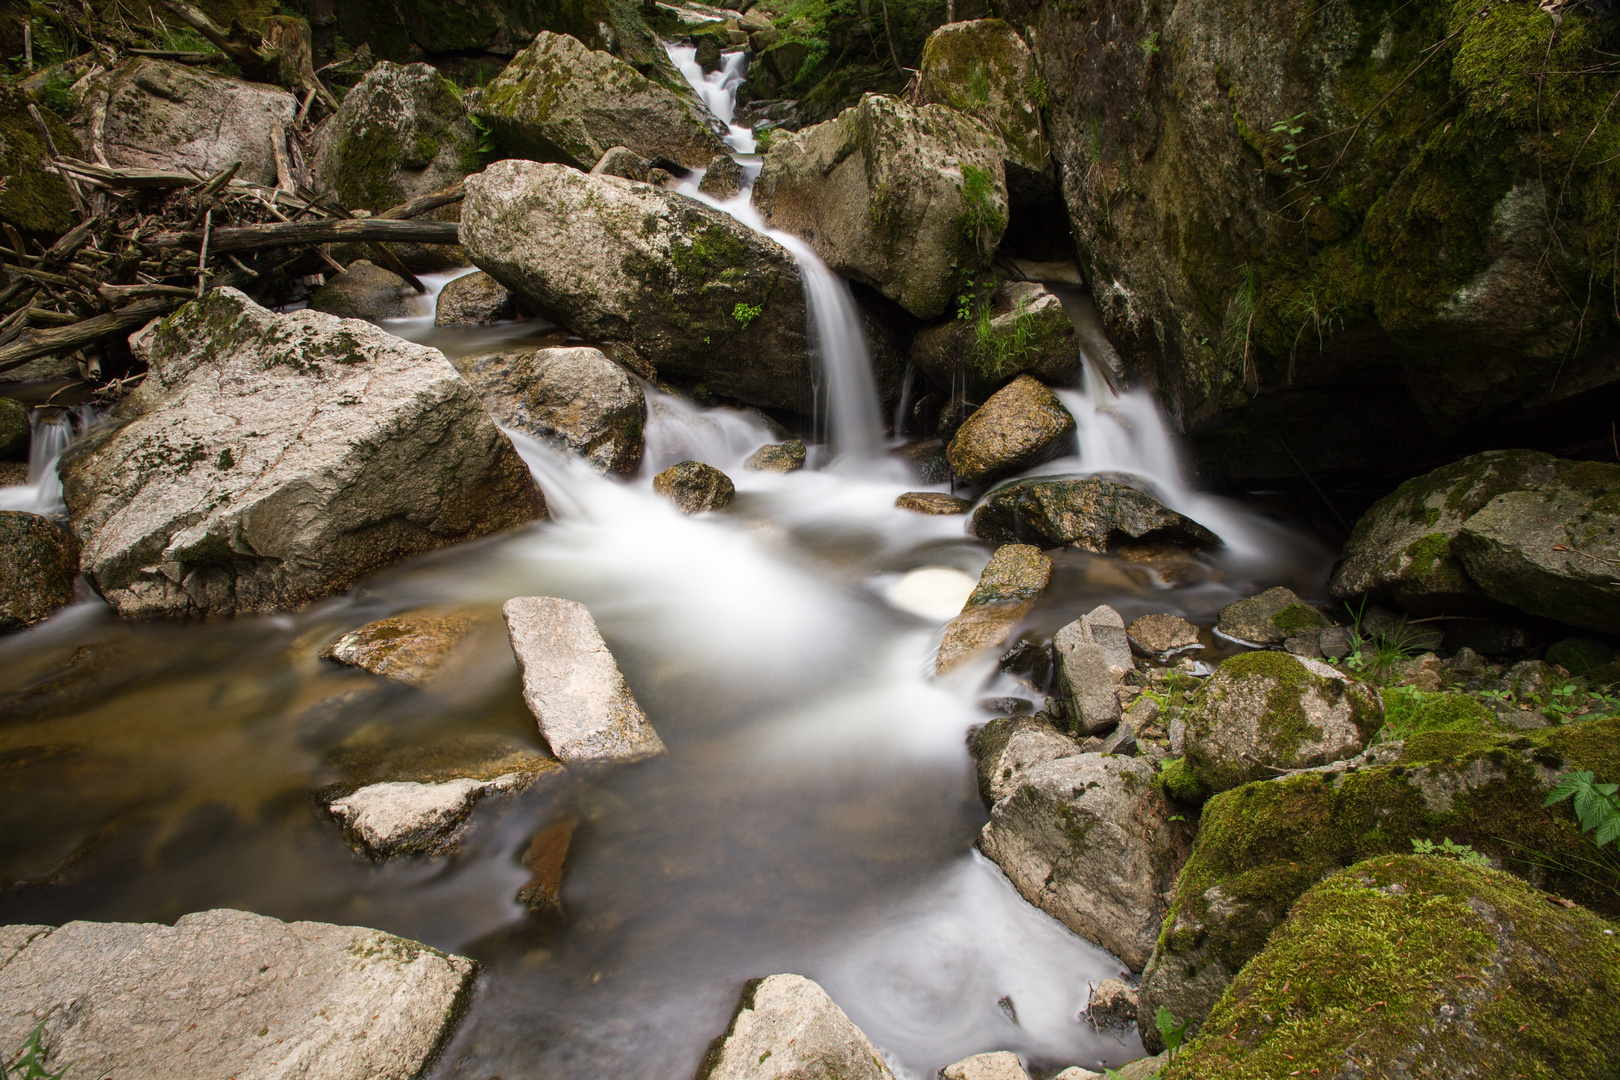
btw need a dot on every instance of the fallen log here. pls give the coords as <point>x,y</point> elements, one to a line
<point>423,204</point>
<point>289,233</point>
<point>33,344</point>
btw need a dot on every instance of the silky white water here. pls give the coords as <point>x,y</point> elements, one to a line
<point>49,437</point>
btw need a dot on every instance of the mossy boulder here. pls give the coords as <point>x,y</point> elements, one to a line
<point>1094,513</point>
<point>14,430</point>
<point>911,200</point>
<point>983,68</point>
<point>1022,424</point>
<point>32,200</point>
<point>1009,585</point>
<point>560,101</point>
<point>365,291</point>
<point>1020,329</point>
<point>1265,712</point>
<point>690,288</point>
<point>1269,618</point>
<point>1262,845</point>
<point>1408,965</point>
<point>38,563</point>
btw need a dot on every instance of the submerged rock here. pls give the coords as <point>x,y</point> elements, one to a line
<point>560,101</point>
<point>229,993</point>
<point>1269,618</point>
<point>689,287</point>
<point>909,200</point>
<point>474,300</point>
<point>574,687</point>
<point>269,460</point>
<point>415,818</point>
<point>573,396</point>
<point>1093,513</point>
<point>778,457</point>
<point>1023,331</point>
<point>1088,840</point>
<point>1011,582</point>
<point>1022,424</point>
<point>1008,747</point>
<point>932,502</point>
<point>38,563</point>
<point>787,1028</point>
<point>695,488</point>
<point>1510,984</point>
<point>408,648</point>
<point>364,291</point>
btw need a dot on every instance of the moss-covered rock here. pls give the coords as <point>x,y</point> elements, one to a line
<point>1094,513</point>
<point>911,200</point>
<point>1264,712</point>
<point>37,565</point>
<point>1261,846</point>
<point>1412,965</point>
<point>1020,329</point>
<point>32,200</point>
<point>14,430</point>
<point>1022,424</point>
<point>1009,585</point>
<point>1269,618</point>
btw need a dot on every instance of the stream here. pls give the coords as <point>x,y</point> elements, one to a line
<point>816,811</point>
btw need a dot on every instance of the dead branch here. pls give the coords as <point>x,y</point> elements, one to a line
<point>292,233</point>
<point>33,344</point>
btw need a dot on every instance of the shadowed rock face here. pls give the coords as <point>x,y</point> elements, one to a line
<point>1093,513</point>
<point>269,460</point>
<point>37,565</point>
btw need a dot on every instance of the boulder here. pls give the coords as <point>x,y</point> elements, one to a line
<point>154,114</point>
<point>1113,1005</point>
<point>474,300</point>
<point>560,101</point>
<point>787,1028</point>
<point>573,396</point>
<point>269,460</point>
<point>1510,984</point>
<point>1088,839</point>
<point>1020,329</point>
<point>624,162</point>
<point>15,431</point>
<point>229,993</point>
<point>984,69</point>
<point>1161,635</point>
<point>657,270</point>
<point>404,817</point>
<point>778,457</point>
<point>932,502</point>
<point>1269,618</point>
<point>1400,550</point>
<point>1008,747</point>
<point>1000,1065</point>
<point>33,200</point>
<point>408,648</point>
<point>1008,587</point>
<point>723,179</point>
<point>1092,654</point>
<point>1262,845</point>
<point>364,291</point>
<point>695,488</point>
<point>910,200</point>
<point>1093,513</point>
<point>1265,712</point>
<point>1022,424</point>
<point>38,563</point>
<point>574,687</point>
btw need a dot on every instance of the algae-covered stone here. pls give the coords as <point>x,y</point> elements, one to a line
<point>1022,424</point>
<point>983,68</point>
<point>409,648</point>
<point>473,300</point>
<point>783,457</point>
<point>1264,712</point>
<point>560,101</point>
<point>694,487</point>
<point>37,565</point>
<point>574,396</point>
<point>1008,747</point>
<point>1269,618</point>
<point>689,287</point>
<point>911,200</point>
<point>1012,580</point>
<point>32,200</point>
<point>1262,845</point>
<point>365,291</point>
<point>1093,513</point>
<point>1413,964</point>
<point>1023,329</point>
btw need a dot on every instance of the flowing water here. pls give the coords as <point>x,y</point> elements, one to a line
<point>815,813</point>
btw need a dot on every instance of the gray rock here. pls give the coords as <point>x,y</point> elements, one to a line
<point>1022,424</point>
<point>1092,654</point>
<point>695,488</point>
<point>560,101</point>
<point>1336,642</point>
<point>656,270</point>
<point>1008,587</point>
<point>1094,513</point>
<point>1088,840</point>
<point>1122,740</point>
<point>405,817</point>
<point>1029,334</point>
<point>787,1028</point>
<point>153,114</point>
<point>1006,748</point>
<point>1075,1072</point>
<point>269,460</point>
<point>778,457</point>
<point>1102,626</point>
<point>364,291</point>
<point>573,685</point>
<point>473,300</point>
<point>574,396</point>
<point>229,993</point>
<point>723,179</point>
<point>1000,1065</point>
<point>1162,635</point>
<point>1269,618</point>
<point>1113,1005</point>
<point>624,162</point>
<point>909,200</point>
<point>38,563</point>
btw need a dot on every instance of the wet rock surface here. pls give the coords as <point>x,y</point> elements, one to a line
<point>932,502</point>
<point>1022,424</point>
<point>1094,513</point>
<point>1011,582</point>
<point>1160,635</point>
<point>38,563</point>
<point>406,817</point>
<point>408,648</point>
<point>1112,1005</point>
<point>695,488</point>
<point>783,457</point>
<point>1026,332</point>
<point>1008,747</point>
<point>787,1028</point>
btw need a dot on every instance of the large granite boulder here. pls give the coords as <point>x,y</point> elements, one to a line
<point>1020,328</point>
<point>269,460</point>
<point>1008,587</point>
<point>1023,424</point>
<point>560,101</point>
<point>155,114</point>
<point>787,1028</point>
<point>659,271</point>
<point>1093,513</point>
<point>574,396</point>
<point>229,993</point>
<point>983,68</point>
<point>1088,839</point>
<point>37,565</point>
<point>910,200</point>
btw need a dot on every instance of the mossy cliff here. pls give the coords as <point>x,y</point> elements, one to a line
<point>1363,194</point>
<point>31,199</point>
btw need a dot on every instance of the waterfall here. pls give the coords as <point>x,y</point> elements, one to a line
<point>717,89</point>
<point>50,437</point>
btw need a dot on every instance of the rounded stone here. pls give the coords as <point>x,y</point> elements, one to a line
<point>694,487</point>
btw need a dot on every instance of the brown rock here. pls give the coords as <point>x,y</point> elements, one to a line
<point>1162,634</point>
<point>37,566</point>
<point>1021,425</point>
<point>695,487</point>
<point>932,502</point>
<point>783,457</point>
<point>1014,578</point>
<point>408,648</point>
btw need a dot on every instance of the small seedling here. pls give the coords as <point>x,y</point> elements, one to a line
<point>27,1064</point>
<point>1463,853</point>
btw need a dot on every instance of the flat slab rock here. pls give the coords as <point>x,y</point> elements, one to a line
<point>1011,582</point>
<point>407,817</point>
<point>408,648</point>
<point>787,1028</point>
<point>229,994</point>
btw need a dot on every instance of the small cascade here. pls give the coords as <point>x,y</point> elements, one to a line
<point>680,430</point>
<point>717,89</point>
<point>50,437</point>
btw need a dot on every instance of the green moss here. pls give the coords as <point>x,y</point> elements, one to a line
<point>1579,655</point>
<point>982,221</point>
<point>32,200</point>
<point>1177,782</point>
<point>1297,617</point>
<point>1409,712</point>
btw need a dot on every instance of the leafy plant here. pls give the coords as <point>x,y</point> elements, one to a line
<point>1375,654</point>
<point>1597,807</point>
<point>487,144</point>
<point>763,138</point>
<point>27,1064</point>
<point>1171,1030</point>
<point>1150,44</point>
<point>1463,853</point>
<point>982,221</point>
<point>746,313</point>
